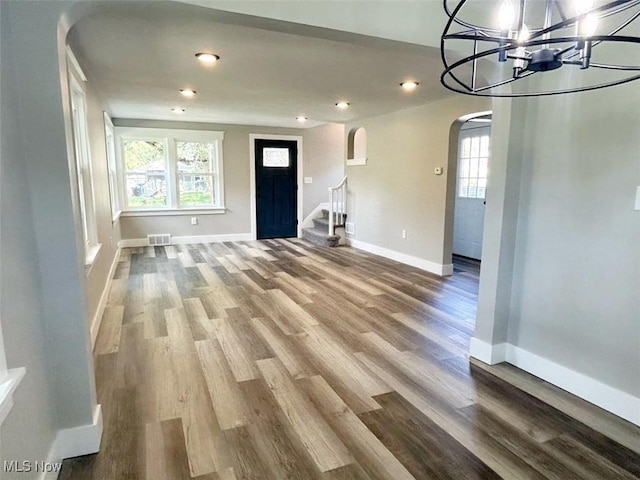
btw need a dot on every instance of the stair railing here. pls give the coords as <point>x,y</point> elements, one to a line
<point>337,205</point>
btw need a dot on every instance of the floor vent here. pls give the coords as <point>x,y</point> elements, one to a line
<point>160,239</point>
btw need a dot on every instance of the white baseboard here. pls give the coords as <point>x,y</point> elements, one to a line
<point>447,270</point>
<point>74,442</point>
<point>308,221</point>
<point>486,352</point>
<point>229,237</point>
<point>97,318</point>
<point>433,267</point>
<point>133,243</point>
<point>604,396</point>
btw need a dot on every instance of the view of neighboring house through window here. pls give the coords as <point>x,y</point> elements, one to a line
<point>197,164</point>
<point>164,169</point>
<point>146,173</point>
<point>473,168</point>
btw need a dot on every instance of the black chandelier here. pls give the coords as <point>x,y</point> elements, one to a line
<point>523,38</point>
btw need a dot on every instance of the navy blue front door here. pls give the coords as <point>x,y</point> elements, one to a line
<point>276,188</point>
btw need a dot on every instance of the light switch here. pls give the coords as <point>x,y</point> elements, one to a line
<point>637,206</point>
<point>308,179</point>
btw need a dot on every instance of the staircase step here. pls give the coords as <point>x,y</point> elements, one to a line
<point>320,237</point>
<point>323,224</point>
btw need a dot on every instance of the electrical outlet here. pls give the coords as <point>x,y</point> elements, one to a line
<point>404,233</point>
<point>194,220</point>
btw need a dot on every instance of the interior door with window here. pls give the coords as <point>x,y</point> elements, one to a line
<point>473,165</point>
<point>276,188</point>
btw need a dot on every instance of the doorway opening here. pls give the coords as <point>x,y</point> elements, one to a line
<point>467,184</point>
<point>471,186</point>
<point>276,172</point>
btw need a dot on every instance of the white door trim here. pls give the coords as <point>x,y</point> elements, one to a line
<point>252,176</point>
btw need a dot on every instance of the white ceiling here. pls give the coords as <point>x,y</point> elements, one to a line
<point>139,55</point>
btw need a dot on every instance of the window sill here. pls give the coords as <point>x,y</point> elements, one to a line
<point>8,385</point>
<point>90,257</point>
<point>171,212</point>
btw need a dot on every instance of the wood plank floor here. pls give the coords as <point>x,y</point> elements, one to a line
<point>278,359</point>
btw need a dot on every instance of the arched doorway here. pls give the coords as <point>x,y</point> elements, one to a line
<point>469,150</point>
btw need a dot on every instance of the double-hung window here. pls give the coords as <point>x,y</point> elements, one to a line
<point>110,145</point>
<point>170,170</point>
<point>83,160</point>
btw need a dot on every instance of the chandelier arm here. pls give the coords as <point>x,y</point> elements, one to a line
<point>458,81</point>
<point>617,6</point>
<point>452,16</point>
<point>616,67</point>
<point>549,93</point>
<point>504,82</point>
<point>530,43</point>
<point>620,8</point>
<point>558,5</point>
<point>595,44</point>
<point>450,68</point>
<point>443,55</point>
<point>467,89</point>
<point>625,24</point>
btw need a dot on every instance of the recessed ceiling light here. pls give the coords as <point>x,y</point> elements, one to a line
<point>209,58</point>
<point>178,110</point>
<point>301,119</point>
<point>343,105</point>
<point>187,92</point>
<point>409,85</point>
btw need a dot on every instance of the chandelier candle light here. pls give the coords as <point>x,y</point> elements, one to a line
<point>536,36</point>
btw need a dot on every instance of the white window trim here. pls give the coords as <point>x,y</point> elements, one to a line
<point>8,384</point>
<point>471,132</point>
<point>112,168</point>
<point>161,212</point>
<point>9,381</point>
<point>82,155</point>
<point>170,137</point>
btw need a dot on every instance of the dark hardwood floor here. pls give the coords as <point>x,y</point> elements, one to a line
<point>279,359</point>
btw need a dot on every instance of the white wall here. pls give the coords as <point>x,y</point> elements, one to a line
<point>323,162</point>
<point>412,21</point>
<point>108,231</point>
<point>398,189</point>
<point>576,279</point>
<point>44,319</point>
<point>31,425</point>
<point>561,299</point>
